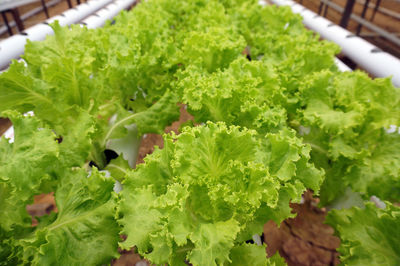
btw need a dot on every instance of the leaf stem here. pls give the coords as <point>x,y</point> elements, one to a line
<point>116,125</point>
<point>317,148</point>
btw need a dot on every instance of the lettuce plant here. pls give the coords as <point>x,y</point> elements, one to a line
<point>345,116</point>
<point>209,190</point>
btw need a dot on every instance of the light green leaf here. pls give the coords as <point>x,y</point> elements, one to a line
<point>118,168</point>
<point>152,120</point>
<point>210,187</point>
<point>213,243</point>
<point>251,254</point>
<point>368,236</point>
<point>84,230</point>
<point>25,166</point>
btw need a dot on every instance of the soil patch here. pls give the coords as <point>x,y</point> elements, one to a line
<point>4,125</point>
<point>304,240</point>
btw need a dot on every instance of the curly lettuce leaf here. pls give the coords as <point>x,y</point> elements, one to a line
<point>26,166</point>
<point>76,138</point>
<point>278,37</point>
<point>152,30</point>
<point>83,231</point>
<point>212,49</point>
<point>210,188</point>
<point>368,236</point>
<point>22,92</point>
<point>152,120</point>
<point>82,65</point>
<point>250,254</point>
<point>247,93</point>
<point>379,173</point>
<point>346,115</point>
<point>80,75</point>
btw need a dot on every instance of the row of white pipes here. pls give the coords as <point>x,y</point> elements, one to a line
<point>106,13</point>
<point>94,13</point>
<point>365,54</point>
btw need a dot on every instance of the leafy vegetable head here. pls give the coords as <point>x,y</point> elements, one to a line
<point>212,49</point>
<point>210,189</point>
<point>247,93</point>
<point>346,114</point>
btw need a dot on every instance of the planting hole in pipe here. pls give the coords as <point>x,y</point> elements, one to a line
<point>376,50</point>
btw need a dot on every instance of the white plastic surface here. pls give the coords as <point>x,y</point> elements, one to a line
<point>365,54</point>
<point>106,13</point>
<point>342,66</point>
<point>9,134</point>
<point>10,4</point>
<point>13,47</point>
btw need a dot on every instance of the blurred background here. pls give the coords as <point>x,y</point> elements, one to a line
<point>377,21</point>
<point>16,15</point>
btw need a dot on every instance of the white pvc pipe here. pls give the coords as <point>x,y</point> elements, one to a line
<point>107,13</point>
<point>9,134</point>
<point>13,47</point>
<point>30,13</point>
<point>365,54</point>
<point>342,66</point>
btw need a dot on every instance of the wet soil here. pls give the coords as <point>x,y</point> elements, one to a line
<point>4,125</point>
<point>304,240</point>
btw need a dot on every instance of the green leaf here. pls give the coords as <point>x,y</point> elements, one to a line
<point>210,187</point>
<point>379,173</point>
<point>76,137</point>
<point>246,93</point>
<point>139,219</point>
<point>152,120</point>
<point>22,92</point>
<point>347,114</point>
<point>25,166</point>
<point>84,230</point>
<point>118,168</point>
<point>213,242</point>
<point>368,236</point>
<point>213,48</point>
<point>248,254</point>
<point>251,254</point>
<point>127,147</point>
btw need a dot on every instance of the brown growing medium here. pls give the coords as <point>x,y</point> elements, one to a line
<point>43,204</point>
<point>4,125</point>
<point>304,240</point>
